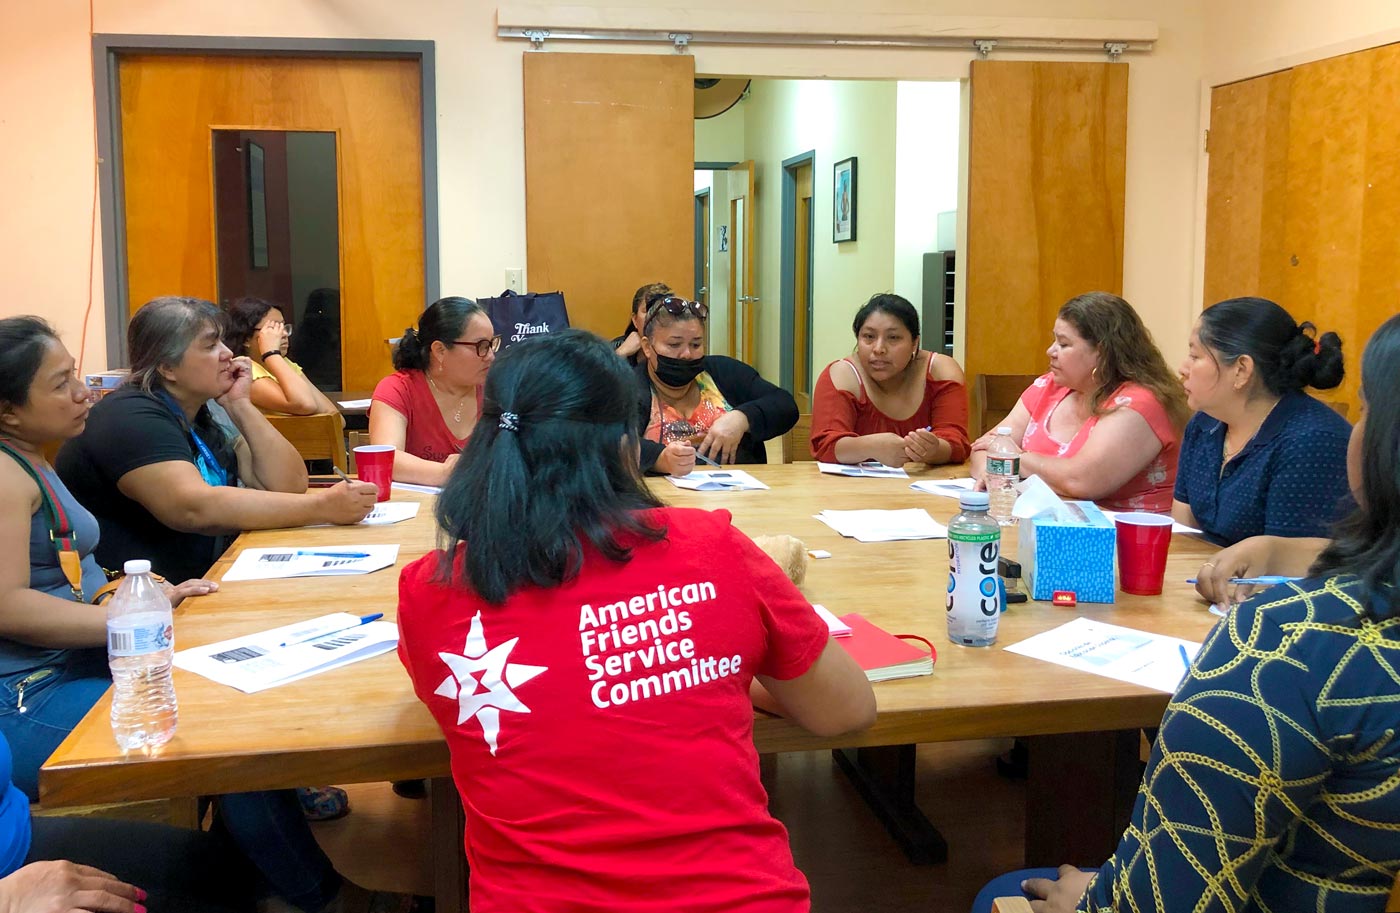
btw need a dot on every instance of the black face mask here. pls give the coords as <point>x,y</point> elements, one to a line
<point>678,372</point>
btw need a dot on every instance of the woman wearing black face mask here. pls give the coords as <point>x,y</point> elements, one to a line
<point>693,403</point>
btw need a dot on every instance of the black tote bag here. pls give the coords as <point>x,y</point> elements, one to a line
<point>517,317</point>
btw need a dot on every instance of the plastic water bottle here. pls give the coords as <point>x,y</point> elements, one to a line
<point>974,591</point>
<point>140,650</point>
<point>1003,472</point>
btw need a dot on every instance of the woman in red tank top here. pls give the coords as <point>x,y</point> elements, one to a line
<point>893,402</point>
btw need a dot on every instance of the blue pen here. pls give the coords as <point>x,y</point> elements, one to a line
<point>704,459</point>
<point>1265,580</point>
<point>364,620</point>
<point>1185,659</point>
<point>306,553</point>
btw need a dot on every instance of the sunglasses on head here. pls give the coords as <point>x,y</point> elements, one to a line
<point>677,306</point>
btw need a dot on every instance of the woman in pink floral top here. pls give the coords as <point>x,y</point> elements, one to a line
<point>1105,424</point>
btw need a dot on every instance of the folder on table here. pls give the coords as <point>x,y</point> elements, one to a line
<point>882,655</point>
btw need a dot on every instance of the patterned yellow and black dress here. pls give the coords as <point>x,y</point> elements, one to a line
<point>1274,783</point>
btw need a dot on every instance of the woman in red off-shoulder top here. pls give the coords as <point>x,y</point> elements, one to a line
<point>893,401</point>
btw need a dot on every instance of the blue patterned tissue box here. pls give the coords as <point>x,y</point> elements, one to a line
<point>1075,554</point>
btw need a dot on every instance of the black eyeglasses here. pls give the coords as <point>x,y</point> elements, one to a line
<point>677,306</point>
<point>483,346</point>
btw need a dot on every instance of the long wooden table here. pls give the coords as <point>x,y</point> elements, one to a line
<point>362,723</point>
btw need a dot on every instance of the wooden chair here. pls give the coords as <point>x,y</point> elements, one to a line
<point>355,439</point>
<point>1342,409</point>
<point>797,443</point>
<point>1393,905</point>
<point>994,395</point>
<point>316,437</point>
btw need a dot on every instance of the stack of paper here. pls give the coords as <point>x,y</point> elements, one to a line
<point>421,489</point>
<point>322,561</point>
<point>1176,527</point>
<point>949,488</point>
<point>717,480</point>
<point>256,662</point>
<point>884,525</point>
<point>1142,658</point>
<point>836,626</point>
<point>354,403</point>
<point>870,469</point>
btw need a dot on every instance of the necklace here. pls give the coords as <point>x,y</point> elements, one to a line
<point>457,414</point>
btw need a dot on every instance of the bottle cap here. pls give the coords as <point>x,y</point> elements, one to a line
<point>136,566</point>
<point>974,500</point>
<point>1004,429</point>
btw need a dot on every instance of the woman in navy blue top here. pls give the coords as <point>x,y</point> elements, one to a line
<point>1260,457</point>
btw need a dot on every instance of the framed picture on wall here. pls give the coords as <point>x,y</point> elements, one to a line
<point>843,200</point>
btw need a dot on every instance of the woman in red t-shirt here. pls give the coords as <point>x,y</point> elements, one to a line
<point>893,402</point>
<point>1105,424</point>
<point>589,657</point>
<point>427,408</point>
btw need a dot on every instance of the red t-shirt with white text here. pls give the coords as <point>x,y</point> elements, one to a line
<point>601,732</point>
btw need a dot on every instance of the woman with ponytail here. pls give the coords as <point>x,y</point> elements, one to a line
<point>1260,457</point>
<point>428,407</point>
<point>589,653</point>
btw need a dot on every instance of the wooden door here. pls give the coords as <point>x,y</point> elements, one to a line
<point>171,104</point>
<point>1046,172</point>
<point>802,290</point>
<point>743,293</point>
<point>1303,196</point>
<point>609,179</point>
<point>1247,188</point>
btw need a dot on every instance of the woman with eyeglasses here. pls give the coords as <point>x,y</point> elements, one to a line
<point>428,407</point>
<point>258,329</point>
<point>894,402</point>
<point>695,405</point>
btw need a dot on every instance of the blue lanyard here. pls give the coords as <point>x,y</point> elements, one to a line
<point>210,469</point>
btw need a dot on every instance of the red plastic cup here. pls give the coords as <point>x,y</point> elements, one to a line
<point>375,463</point>
<point>1142,552</point>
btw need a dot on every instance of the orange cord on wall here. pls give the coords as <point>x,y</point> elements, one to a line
<point>92,226</point>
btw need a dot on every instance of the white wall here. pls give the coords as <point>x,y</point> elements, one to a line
<point>46,118</point>
<point>926,182</point>
<point>721,138</point>
<point>1248,37</point>
<point>837,119</point>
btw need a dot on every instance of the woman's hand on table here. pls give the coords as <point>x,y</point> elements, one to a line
<point>721,442</point>
<point>923,446</point>
<point>888,448</point>
<point>66,887</point>
<point>677,459</point>
<point>1061,895</point>
<point>176,593</point>
<point>347,502</point>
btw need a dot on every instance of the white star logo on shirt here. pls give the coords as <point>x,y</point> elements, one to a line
<point>482,679</point>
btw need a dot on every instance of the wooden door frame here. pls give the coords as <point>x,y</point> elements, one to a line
<point>787,307</point>
<point>107,48</point>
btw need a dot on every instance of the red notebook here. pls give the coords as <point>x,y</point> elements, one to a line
<point>882,655</point>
